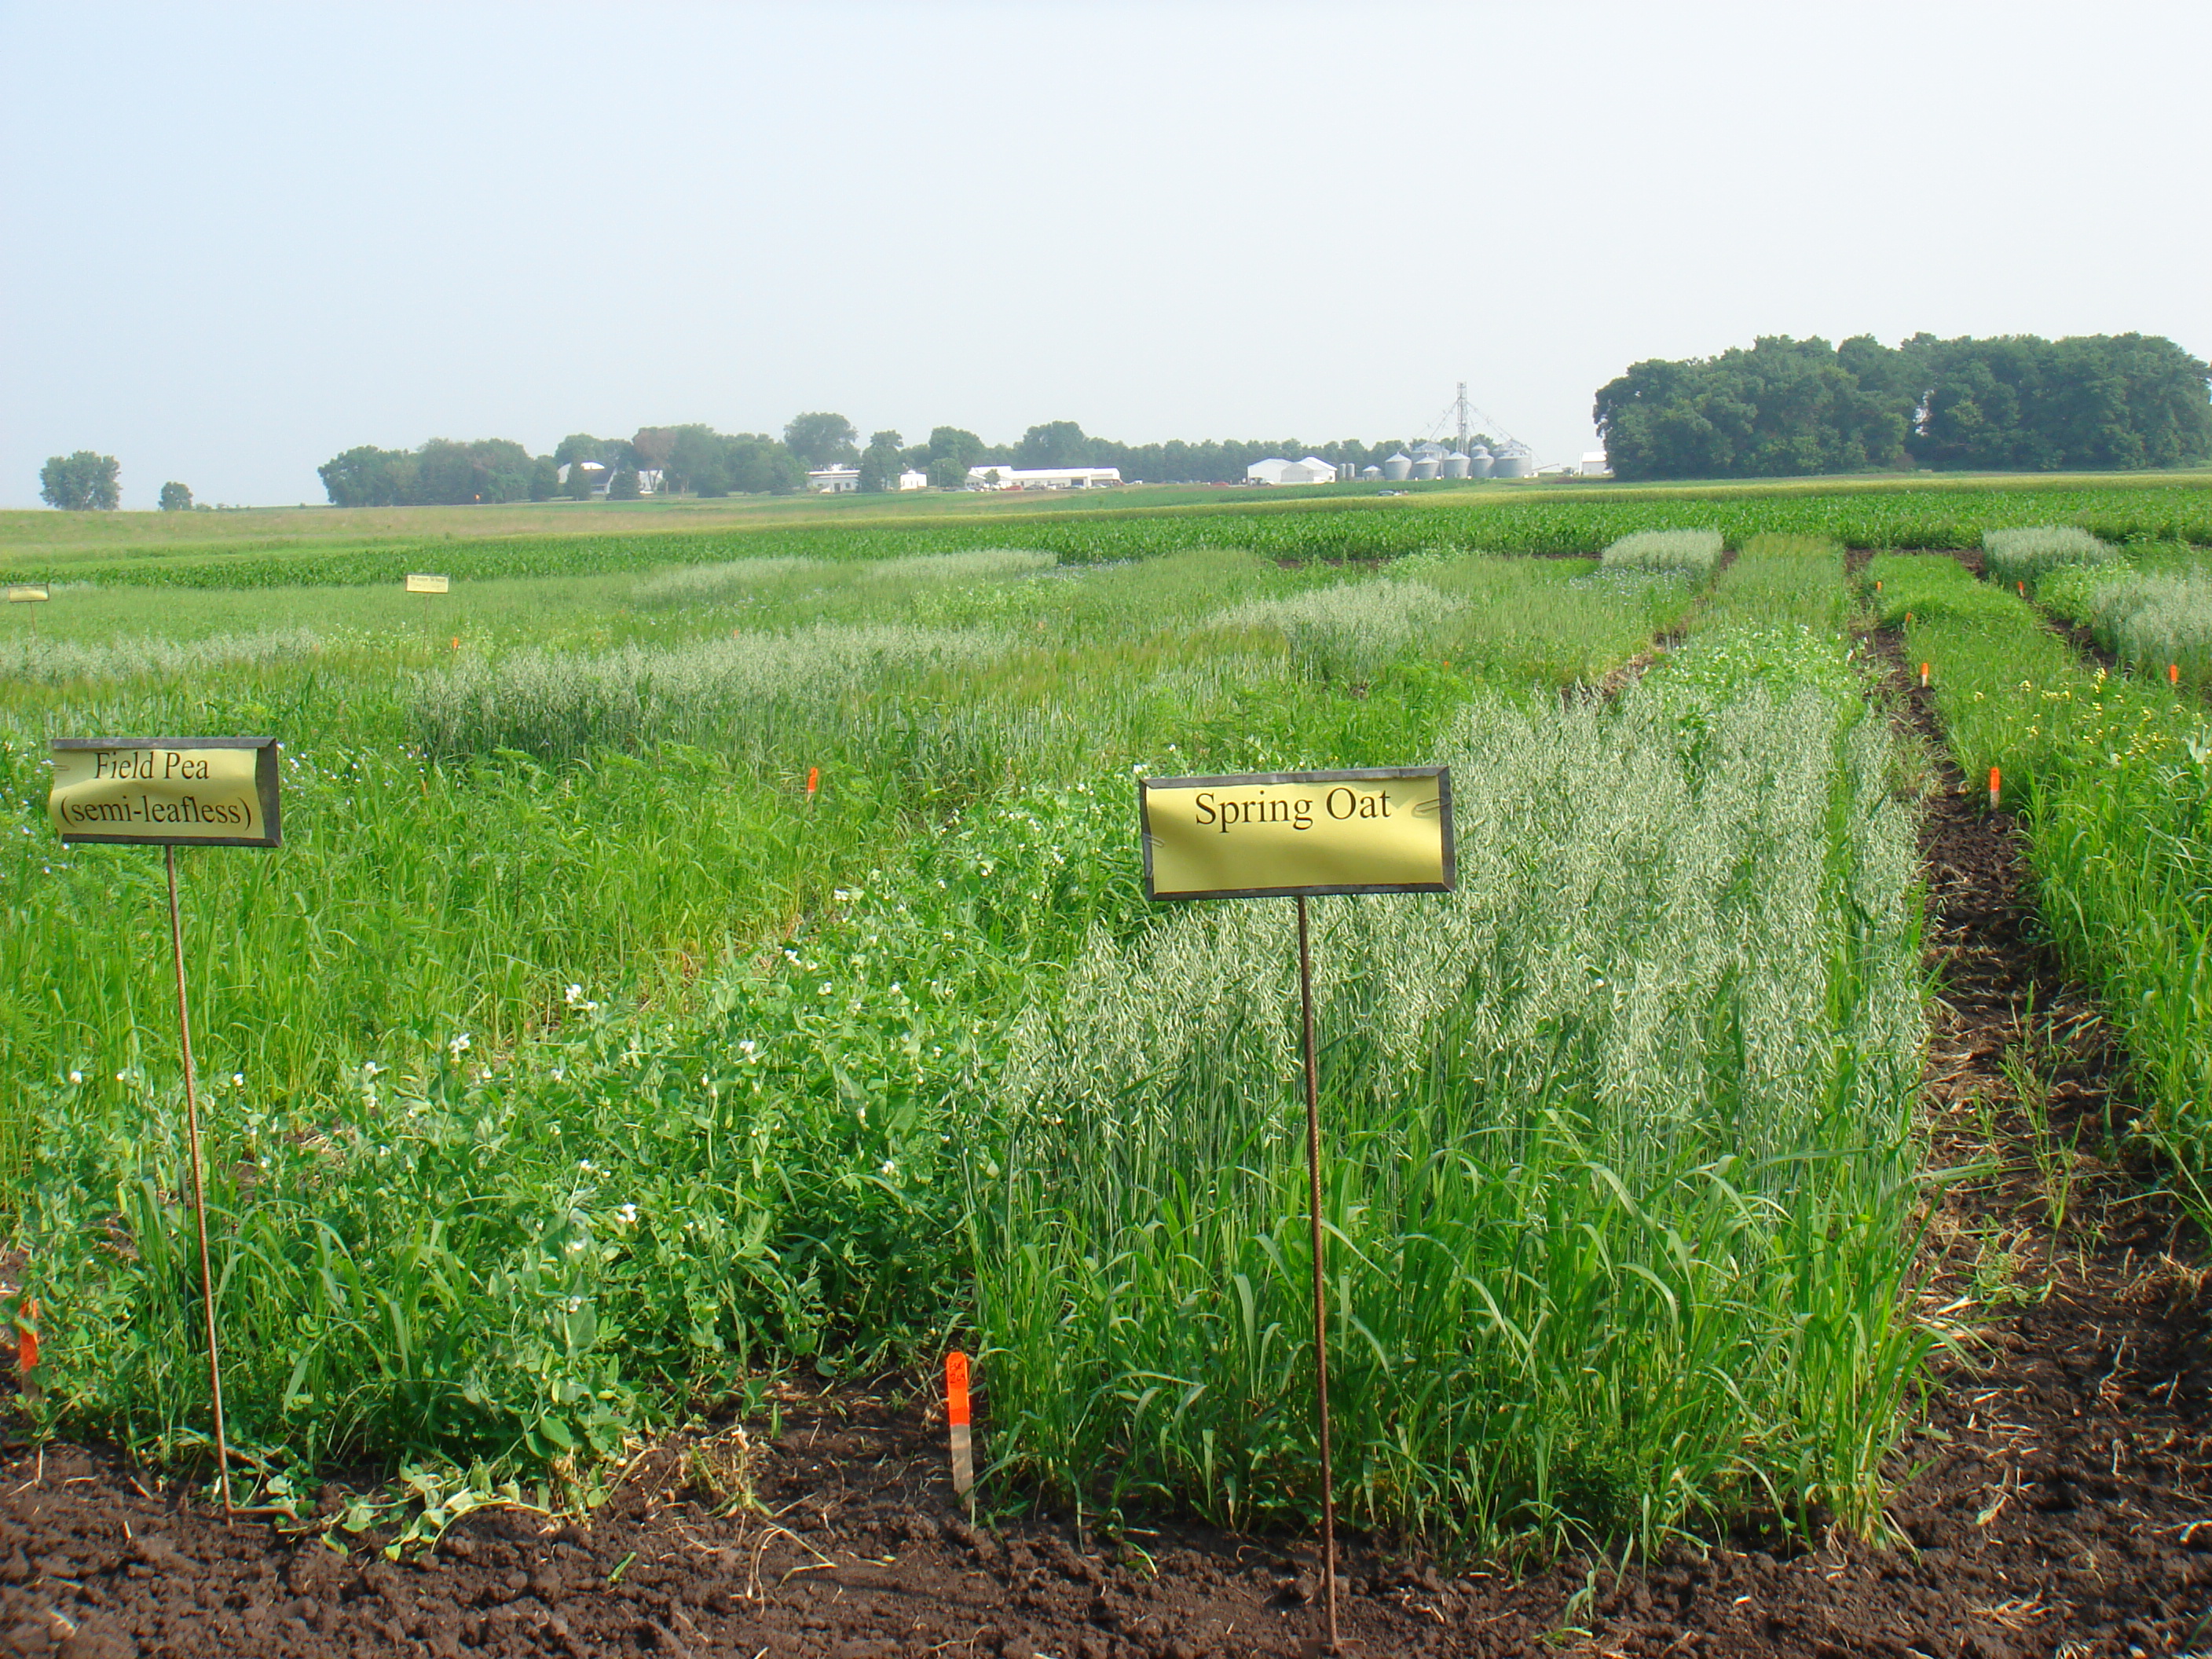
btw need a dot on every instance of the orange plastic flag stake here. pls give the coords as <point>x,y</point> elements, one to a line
<point>1923,677</point>
<point>2023,588</point>
<point>956,1417</point>
<point>813,783</point>
<point>27,1349</point>
<point>1877,588</point>
<point>2173,675</point>
<point>1994,783</point>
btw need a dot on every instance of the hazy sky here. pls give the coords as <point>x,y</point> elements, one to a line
<point>235,240</point>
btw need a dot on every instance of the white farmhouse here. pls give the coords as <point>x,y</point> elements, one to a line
<point>834,480</point>
<point>911,480</point>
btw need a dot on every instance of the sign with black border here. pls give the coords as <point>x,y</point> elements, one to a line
<point>1272,835</point>
<point>165,792</point>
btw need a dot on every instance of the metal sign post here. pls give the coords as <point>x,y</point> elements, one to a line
<point>172,793</point>
<point>29,594</point>
<point>420,583</point>
<point>1302,834</point>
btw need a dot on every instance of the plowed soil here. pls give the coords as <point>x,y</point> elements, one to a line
<point>2055,1502</point>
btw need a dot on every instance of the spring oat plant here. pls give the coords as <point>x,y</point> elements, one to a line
<point>1620,1204</point>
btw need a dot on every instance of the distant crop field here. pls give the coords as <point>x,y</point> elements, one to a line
<point>369,546</point>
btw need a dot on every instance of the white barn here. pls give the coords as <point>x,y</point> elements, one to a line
<point>1042,477</point>
<point>1312,469</point>
<point>834,480</point>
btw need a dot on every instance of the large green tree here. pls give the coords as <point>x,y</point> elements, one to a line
<point>1786,406</point>
<point>1783,407</point>
<point>1056,443</point>
<point>821,439</point>
<point>881,462</point>
<point>2092,401</point>
<point>176,497</point>
<point>79,482</point>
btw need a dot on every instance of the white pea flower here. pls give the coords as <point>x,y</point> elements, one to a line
<point>890,1167</point>
<point>238,1079</point>
<point>626,1215</point>
<point>459,1046</point>
<point>77,1077</point>
<point>575,994</point>
<point>586,1166</point>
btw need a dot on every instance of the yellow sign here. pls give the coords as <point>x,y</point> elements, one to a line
<point>428,584</point>
<point>1384,829</point>
<point>183,792</point>
<point>29,593</point>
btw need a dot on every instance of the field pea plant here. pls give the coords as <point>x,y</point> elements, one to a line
<point>2113,775</point>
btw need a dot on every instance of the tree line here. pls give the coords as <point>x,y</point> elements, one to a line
<point>88,482</point>
<point>697,460</point>
<point>2014,404</point>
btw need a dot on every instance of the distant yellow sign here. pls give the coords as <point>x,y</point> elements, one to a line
<point>1383,829</point>
<point>428,584</point>
<point>184,792</point>
<point>29,593</point>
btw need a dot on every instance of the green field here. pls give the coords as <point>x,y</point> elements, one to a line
<point>574,1067</point>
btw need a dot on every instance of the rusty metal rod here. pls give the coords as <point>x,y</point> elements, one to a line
<point>1320,1281</point>
<point>199,1183</point>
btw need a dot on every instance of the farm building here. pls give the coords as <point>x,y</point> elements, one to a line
<point>1042,477</point>
<point>834,480</point>
<point>912,480</point>
<point>1312,469</point>
<point>648,478</point>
